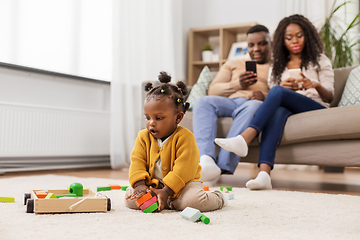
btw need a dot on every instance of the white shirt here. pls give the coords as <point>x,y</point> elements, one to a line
<point>324,75</point>
<point>157,171</point>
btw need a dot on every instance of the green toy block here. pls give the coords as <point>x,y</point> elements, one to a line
<point>205,219</point>
<point>124,188</point>
<point>66,195</point>
<point>7,199</point>
<point>103,188</point>
<point>227,187</point>
<point>151,208</point>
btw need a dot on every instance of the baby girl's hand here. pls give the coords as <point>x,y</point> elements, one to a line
<point>162,196</point>
<point>139,191</point>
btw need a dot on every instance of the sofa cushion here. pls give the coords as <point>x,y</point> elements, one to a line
<point>351,94</point>
<point>200,88</point>
<point>325,124</point>
<point>340,76</point>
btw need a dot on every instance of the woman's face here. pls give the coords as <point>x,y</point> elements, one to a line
<point>294,39</point>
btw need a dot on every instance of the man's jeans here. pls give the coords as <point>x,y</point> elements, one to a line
<point>206,112</point>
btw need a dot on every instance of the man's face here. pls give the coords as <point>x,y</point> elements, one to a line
<point>259,46</point>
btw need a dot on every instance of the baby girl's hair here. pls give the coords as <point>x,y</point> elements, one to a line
<point>176,92</point>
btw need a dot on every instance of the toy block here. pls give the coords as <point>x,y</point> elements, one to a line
<point>7,199</point>
<point>206,188</point>
<point>50,195</point>
<point>124,188</point>
<point>225,190</point>
<point>148,203</point>
<point>66,195</point>
<point>194,215</point>
<point>229,196</point>
<point>143,199</point>
<point>114,186</point>
<point>41,194</point>
<point>151,208</point>
<point>227,187</point>
<point>103,188</point>
<point>191,214</point>
<point>205,219</point>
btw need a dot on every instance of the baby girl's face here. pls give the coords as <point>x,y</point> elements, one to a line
<point>161,117</point>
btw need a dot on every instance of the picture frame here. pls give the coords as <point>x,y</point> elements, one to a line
<point>238,50</point>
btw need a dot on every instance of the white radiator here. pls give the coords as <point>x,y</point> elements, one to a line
<point>33,137</point>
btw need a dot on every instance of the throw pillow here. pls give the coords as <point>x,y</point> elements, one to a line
<point>351,93</point>
<point>200,88</point>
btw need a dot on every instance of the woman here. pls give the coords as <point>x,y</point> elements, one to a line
<point>297,45</point>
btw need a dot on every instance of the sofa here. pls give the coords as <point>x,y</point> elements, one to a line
<point>327,137</point>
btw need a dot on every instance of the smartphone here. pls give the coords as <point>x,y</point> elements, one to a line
<point>251,66</point>
<point>295,73</point>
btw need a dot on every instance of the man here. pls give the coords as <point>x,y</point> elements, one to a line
<point>235,93</point>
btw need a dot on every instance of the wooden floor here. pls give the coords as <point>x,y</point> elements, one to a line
<point>309,179</point>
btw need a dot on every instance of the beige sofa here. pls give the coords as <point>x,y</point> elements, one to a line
<point>328,137</point>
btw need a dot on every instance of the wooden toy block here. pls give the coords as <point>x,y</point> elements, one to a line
<point>66,195</point>
<point>151,208</point>
<point>50,195</point>
<point>7,199</point>
<point>225,190</point>
<point>108,188</point>
<point>229,196</point>
<point>191,214</point>
<point>143,199</point>
<point>206,188</point>
<point>124,188</point>
<point>148,203</point>
<point>194,215</point>
<point>115,187</point>
<point>41,194</point>
<point>227,187</point>
<point>205,219</point>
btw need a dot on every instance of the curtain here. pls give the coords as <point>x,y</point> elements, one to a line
<point>145,42</point>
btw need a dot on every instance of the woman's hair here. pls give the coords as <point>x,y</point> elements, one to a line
<point>176,92</point>
<point>313,46</point>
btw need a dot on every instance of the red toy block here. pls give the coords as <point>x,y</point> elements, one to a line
<point>41,194</point>
<point>206,188</point>
<point>143,199</point>
<point>114,186</point>
<point>148,203</point>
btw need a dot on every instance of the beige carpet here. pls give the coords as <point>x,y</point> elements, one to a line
<point>251,215</point>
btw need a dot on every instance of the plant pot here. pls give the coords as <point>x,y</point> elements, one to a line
<point>207,56</point>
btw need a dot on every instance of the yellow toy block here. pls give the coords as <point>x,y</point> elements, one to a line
<point>7,199</point>
<point>50,195</point>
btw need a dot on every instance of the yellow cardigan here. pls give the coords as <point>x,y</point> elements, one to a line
<point>179,160</point>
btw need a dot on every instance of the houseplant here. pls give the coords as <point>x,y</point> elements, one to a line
<point>338,45</point>
<point>207,53</point>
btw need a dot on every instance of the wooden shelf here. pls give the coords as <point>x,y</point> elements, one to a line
<point>199,37</point>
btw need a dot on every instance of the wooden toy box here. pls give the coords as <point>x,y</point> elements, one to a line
<point>62,205</point>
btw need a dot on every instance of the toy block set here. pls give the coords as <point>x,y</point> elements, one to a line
<point>74,199</point>
<point>148,203</point>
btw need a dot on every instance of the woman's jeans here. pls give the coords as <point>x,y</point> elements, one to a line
<point>206,112</point>
<point>271,117</point>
